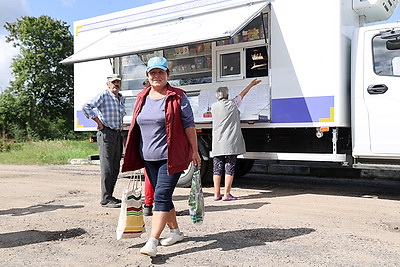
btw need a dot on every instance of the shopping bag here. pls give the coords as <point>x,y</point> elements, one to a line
<point>131,221</point>
<point>196,199</point>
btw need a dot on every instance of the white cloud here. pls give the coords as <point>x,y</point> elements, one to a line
<point>68,3</point>
<point>10,10</point>
<point>7,53</point>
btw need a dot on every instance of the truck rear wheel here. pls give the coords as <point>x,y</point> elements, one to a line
<point>243,167</point>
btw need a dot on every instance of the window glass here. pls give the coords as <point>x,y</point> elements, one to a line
<point>256,62</point>
<point>251,32</point>
<point>386,61</point>
<point>189,64</point>
<point>230,64</point>
<point>129,105</point>
<point>133,70</point>
<point>194,103</point>
<point>396,66</point>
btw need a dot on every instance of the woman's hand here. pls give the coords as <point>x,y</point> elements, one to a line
<point>196,158</point>
<point>254,82</point>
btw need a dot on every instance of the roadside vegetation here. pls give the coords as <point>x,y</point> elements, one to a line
<point>38,103</point>
<point>36,109</point>
<point>45,152</point>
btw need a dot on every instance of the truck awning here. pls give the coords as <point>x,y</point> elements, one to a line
<point>210,25</point>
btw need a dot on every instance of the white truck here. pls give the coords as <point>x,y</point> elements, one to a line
<point>330,88</point>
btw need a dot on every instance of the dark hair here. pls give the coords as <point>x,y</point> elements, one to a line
<point>146,83</point>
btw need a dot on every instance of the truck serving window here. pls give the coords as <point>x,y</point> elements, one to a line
<point>251,32</point>
<point>189,64</point>
<point>133,70</point>
<point>386,52</point>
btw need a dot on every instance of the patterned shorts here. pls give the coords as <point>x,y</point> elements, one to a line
<point>224,164</point>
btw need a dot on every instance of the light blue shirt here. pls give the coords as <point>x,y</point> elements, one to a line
<point>110,110</point>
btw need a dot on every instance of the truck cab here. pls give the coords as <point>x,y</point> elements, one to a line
<point>375,96</point>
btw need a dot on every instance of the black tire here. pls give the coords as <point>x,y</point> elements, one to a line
<point>206,171</point>
<point>243,167</point>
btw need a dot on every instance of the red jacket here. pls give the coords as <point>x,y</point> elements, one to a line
<point>179,150</point>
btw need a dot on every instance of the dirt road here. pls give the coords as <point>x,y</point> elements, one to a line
<point>50,216</point>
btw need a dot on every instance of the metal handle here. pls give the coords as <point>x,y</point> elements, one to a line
<point>375,89</point>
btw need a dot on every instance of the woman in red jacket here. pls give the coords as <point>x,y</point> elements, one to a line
<point>162,138</point>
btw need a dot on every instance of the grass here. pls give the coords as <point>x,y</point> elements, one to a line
<point>47,152</point>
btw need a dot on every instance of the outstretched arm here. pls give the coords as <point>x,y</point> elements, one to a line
<point>248,87</point>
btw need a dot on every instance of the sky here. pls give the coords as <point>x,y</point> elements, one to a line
<point>65,10</point>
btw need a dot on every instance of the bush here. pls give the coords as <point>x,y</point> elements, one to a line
<point>4,146</point>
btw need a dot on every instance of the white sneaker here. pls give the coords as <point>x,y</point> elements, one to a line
<point>172,239</point>
<point>150,249</point>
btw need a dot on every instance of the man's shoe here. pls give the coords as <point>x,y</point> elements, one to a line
<point>116,200</point>
<point>148,210</point>
<point>111,204</point>
<point>172,239</point>
<point>150,248</point>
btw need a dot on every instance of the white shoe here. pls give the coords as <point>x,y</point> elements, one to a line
<point>150,248</point>
<point>172,239</point>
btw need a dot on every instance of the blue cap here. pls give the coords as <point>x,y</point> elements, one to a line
<point>157,63</point>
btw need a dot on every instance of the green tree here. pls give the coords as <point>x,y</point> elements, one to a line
<point>41,94</point>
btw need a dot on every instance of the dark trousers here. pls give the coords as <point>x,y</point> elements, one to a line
<point>110,151</point>
<point>163,183</point>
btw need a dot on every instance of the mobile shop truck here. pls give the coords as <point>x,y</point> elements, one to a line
<point>330,88</point>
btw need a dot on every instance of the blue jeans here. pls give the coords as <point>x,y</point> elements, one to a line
<point>163,184</point>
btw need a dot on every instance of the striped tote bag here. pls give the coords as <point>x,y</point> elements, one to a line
<point>131,222</point>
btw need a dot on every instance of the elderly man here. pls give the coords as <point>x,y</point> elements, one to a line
<point>110,112</point>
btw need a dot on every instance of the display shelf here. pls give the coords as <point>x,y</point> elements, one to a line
<point>178,57</point>
<point>191,72</point>
<point>190,65</point>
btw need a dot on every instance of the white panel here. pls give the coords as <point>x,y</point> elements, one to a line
<point>211,25</point>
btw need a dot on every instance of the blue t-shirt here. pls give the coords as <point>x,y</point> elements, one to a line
<point>151,120</point>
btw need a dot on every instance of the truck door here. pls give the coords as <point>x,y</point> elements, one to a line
<point>382,90</point>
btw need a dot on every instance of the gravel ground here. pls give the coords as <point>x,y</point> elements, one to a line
<point>50,216</point>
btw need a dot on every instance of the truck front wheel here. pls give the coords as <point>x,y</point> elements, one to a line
<point>205,168</point>
<point>186,177</point>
